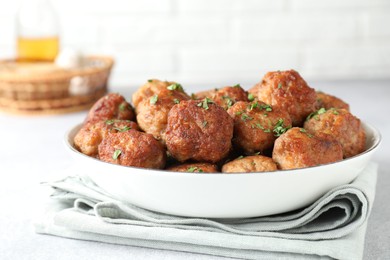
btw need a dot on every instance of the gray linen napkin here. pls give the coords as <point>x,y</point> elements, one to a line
<point>332,227</point>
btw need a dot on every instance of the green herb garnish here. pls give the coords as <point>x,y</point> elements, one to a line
<point>267,108</point>
<point>175,86</point>
<point>315,114</point>
<point>251,97</point>
<point>205,103</point>
<point>110,121</point>
<point>258,125</point>
<point>240,157</point>
<point>194,169</point>
<point>124,129</point>
<point>116,154</point>
<point>176,101</point>
<point>280,85</point>
<point>204,123</point>
<point>334,111</point>
<point>245,117</point>
<point>150,80</point>
<point>123,106</point>
<point>303,130</point>
<point>237,86</point>
<point>154,99</point>
<point>228,101</point>
<point>253,106</point>
<point>279,128</point>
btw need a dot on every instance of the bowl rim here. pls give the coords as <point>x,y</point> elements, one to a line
<point>376,136</point>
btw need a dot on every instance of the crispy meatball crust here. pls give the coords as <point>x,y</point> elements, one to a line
<point>132,148</point>
<point>288,91</point>
<point>256,125</point>
<point>340,125</point>
<point>299,149</point>
<point>254,163</point>
<point>154,87</point>
<point>194,167</point>
<point>328,101</point>
<point>152,113</point>
<point>111,106</point>
<point>91,134</point>
<point>199,130</point>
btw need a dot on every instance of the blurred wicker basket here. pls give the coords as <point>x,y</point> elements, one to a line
<point>45,88</point>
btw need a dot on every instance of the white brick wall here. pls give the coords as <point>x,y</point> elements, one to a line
<point>221,42</point>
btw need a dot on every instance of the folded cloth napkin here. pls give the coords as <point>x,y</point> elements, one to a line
<point>332,227</point>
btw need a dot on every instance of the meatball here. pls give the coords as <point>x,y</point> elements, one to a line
<point>91,134</point>
<point>199,130</point>
<point>204,94</point>
<point>152,113</point>
<point>132,148</point>
<point>154,87</point>
<point>111,106</point>
<point>226,96</point>
<point>194,167</point>
<point>340,125</point>
<point>254,163</point>
<point>256,125</point>
<point>298,149</point>
<point>288,91</point>
<point>328,101</point>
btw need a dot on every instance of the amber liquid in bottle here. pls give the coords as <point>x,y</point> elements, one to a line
<point>38,49</point>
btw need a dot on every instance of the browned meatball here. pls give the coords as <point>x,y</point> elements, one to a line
<point>254,163</point>
<point>328,101</point>
<point>152,113</point>
<point>288,91</point>
<point>340,125</point>
<point>111,106</point>
<point>256,125</point>
<point>224,97</point>
<point>194,167</point>
<point>298,149</point>
<point>90,135</point>
<point>133,148</point>
<point>203,94</point>
<point>199,130</point>
<point>154,87</point>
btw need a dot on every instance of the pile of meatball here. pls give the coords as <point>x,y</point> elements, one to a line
<point>280,123</point>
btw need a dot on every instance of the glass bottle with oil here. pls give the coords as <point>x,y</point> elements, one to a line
<point>37,29</point>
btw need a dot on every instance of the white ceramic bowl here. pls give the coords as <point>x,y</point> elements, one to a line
<point>222,195</point>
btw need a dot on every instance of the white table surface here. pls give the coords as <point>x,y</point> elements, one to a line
<point>31,150</point>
